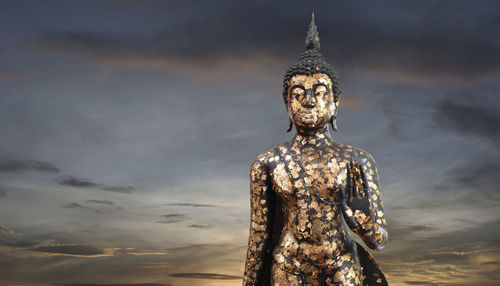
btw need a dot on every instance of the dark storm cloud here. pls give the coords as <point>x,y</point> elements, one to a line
<point>468,119</point>
<point>477,174</point>
<point>192,205</point>
<point>474,114</point>
<point>474,183</point>
<point>469,111</point>
<point>76,182</point>
<point>70,249</point>
<point>211,276</point>
<point>172,218</point>
<point>417,42</point>
<point>2,193</point>
<point>134,284</point>
<point>18,166</point>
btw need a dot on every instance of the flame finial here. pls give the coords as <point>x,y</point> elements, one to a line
<point>312,38</point>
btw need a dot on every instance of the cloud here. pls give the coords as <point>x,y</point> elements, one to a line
<point>192,205</point>
<point>4,230</point>
<point>199,225</point>
<point>157,265</point>
<point>76,182</point>
<point>102,202</point>
<point>193,246</point>
<point>474,183</point>
<point>119,189</point>
<point>211,276</point>
<point>146,253</point>
<point>158,54</point>
<point>72,206</point>
<point>17,166</point>
<point>9,239</point>
<point>93,205</point>
<point>172,218</point>
<point>2,193</point>
<point>72,250</point>
<point>468,119</point>
<point>398,231</point>
<point>87,183</point>
<point>390,44</point>
<point>460,257</point>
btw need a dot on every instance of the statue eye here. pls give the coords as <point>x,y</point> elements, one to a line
<point>297,91</point>
<point>320,90</point>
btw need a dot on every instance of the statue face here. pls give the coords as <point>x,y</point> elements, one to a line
<point>310,100</point>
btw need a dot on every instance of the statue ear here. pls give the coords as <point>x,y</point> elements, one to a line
<point>290,121</point>
<point>290,124</point>
<point>333,115</point>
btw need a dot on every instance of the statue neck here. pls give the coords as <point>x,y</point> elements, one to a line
<point>318,137</point>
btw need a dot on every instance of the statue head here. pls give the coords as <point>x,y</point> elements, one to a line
<point>310,87</point>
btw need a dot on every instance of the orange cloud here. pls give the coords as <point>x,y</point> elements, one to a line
<point>157,265</point>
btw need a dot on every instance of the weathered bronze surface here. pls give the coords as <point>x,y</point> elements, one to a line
<point>306,192</point>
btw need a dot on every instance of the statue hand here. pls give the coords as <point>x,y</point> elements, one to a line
<point>361,214</point>
<point>355,196</point>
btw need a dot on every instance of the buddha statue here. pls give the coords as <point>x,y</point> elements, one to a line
<point>306,193</point>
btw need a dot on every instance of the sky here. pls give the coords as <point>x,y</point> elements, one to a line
<point>127,129</point>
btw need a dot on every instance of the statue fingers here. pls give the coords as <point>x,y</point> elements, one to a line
<point>365,185</point>
<point>355,180</point>
<point>355,192</point>
<point>349,183</point>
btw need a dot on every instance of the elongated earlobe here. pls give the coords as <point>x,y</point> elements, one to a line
<point>290,124</point>
<point>333,117</point>
<point>333,122</point>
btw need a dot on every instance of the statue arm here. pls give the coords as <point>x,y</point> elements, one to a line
<point>363,208</point>
<point>260,222</point>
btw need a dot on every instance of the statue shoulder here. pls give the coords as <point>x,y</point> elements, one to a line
<point>357,154</point>
<point>262,161</point>
<point>270,155</point>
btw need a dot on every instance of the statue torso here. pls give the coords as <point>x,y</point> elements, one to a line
<point>307,177</point>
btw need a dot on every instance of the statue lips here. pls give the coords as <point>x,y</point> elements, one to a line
<point>308,117</point>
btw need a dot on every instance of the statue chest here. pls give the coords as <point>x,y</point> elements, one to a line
<point>308,176</point>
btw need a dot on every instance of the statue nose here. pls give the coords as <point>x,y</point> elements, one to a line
<point>308,102</point>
